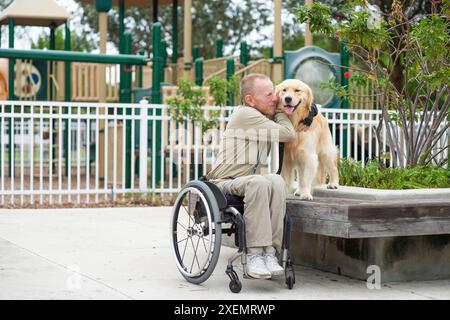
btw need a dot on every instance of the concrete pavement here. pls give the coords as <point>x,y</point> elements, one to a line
<point>124,253</point>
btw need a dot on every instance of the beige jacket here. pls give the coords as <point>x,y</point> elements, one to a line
<point>247,141</point>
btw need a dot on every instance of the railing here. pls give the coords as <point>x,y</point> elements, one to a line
<point>88,164</point>
<point>212,66</point>
<point>222,73</point>
<point>85,82</point>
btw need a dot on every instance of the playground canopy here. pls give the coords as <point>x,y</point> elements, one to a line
<point>134,3</point>
<point>45,13</point>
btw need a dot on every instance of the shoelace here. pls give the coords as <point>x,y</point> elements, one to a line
<point>254,257</point>
<point>271,259</point>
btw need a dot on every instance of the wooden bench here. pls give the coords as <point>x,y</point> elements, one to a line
<point>407,237</point>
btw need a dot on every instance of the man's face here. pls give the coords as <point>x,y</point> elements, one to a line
<point>263,97</point>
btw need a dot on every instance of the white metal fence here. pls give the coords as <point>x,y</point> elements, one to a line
<point>112,150</point>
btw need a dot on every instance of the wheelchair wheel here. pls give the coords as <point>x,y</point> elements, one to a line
<point>196,232</point>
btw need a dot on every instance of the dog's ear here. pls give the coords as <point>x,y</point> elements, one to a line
<point>277,90</point>
<point>310,98</point>
<point>277,94</point>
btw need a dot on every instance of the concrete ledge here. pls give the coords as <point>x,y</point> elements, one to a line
<point>405,233</point>
<point>399,258</point>
<point>358,193</point>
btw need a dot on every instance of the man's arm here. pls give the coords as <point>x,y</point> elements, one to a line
<point>259,127</point>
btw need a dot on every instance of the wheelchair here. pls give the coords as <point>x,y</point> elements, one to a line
<point>198,215</point>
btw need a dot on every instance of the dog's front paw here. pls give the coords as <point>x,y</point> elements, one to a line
<point>306,196</point>
<point>303,195</point>
<point>332,186</point>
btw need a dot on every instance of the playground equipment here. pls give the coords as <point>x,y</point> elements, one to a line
<point>73,77</point>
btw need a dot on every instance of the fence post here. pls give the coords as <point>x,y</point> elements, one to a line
<point>143,146</point>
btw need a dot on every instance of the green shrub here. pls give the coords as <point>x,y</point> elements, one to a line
<point>352,174</point>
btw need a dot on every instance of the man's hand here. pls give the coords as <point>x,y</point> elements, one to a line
<point>302,127</point>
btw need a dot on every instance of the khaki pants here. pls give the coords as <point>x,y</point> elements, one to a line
<point>264,207</point>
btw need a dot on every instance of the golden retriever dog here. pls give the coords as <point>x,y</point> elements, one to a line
<point>312,154</point>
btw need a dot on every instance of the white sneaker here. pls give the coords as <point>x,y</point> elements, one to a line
<point>256,267</point>
<point>272,265</point>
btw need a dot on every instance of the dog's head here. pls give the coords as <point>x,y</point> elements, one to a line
<point>295,97</point>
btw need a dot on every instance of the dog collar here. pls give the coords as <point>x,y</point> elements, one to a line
<point>308,120</point>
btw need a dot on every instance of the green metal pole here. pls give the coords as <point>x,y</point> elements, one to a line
<point>199,71</point>
<point>164,53</point>
<point>122,75</point>
<point>175,32</point>
<point>67,84</point>
<point>52,47</point>
<point>156,95</point>
<point>11,95</point>
<point>121,23</point>
<point>126,98</point>
<point>219,48</point>
<point>141,72</point>
<point>195,53</point>
<point>155,10</point>
<point>51,93</point>
<point>199,81</point>
<point>243,57</point>
<point>72,56</point>
<point>230,74</point>
<point>344,82</point>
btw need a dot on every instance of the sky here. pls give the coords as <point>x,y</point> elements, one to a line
<point>32,33</point>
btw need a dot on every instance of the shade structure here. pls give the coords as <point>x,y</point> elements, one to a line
<point>134,3</point>
<point>44,13</point>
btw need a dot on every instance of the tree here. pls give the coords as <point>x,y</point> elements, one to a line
<point>416,115</point>
<point>77,43</point>
<point>412,10</point>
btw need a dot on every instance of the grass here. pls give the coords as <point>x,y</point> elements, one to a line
<point>352,174</point>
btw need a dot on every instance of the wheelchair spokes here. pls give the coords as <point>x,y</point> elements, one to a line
<point>194,233</point>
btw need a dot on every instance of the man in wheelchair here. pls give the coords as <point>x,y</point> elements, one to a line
<point>243,152</point>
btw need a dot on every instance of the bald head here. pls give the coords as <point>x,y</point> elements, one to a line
<point>247,84</point>
<point>257,92</point>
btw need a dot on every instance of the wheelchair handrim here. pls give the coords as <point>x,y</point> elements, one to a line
<point>211,237</point>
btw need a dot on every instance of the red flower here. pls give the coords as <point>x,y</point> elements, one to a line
<point>347,74</point>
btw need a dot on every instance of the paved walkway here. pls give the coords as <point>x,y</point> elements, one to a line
<point>124,253</point>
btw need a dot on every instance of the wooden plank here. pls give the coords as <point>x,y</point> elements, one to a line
<point>348,218</point>
<point>401,227</point>
<point>393,210</point>
<point>319,210</point>
<point>323,227</point>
